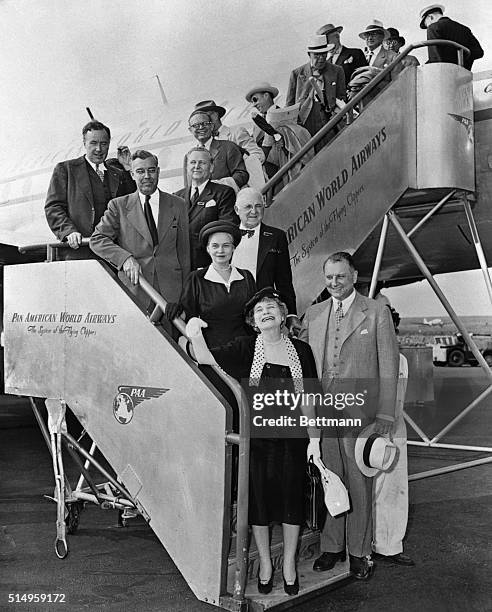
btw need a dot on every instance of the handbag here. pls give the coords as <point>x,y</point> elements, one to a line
<point>315,504</point>
<point>336,496</point>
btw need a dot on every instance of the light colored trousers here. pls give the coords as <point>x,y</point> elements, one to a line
<point>390,489</point>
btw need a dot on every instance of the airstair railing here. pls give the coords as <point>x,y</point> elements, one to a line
<point>267,189</point>
<point>241,439</point>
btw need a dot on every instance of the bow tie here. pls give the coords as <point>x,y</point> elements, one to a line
<point>249,233</point>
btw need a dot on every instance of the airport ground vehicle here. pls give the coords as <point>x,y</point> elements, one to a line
<point>453,351</point>
<point>364,192</point>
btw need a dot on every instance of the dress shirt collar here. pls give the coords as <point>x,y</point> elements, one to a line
<point>154,198</point>
<point>200,188</point>
<point>248,229</point>
<point>102,167</point>
<point>374,52</point>
<point>346,303</point>
<point>207,144</point>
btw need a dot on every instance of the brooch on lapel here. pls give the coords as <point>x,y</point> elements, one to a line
<point>276,251</point>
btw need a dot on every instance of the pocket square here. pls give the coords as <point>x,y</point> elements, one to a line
<point>349,60</point>
<point>210,203</point>
<point>364,331</point>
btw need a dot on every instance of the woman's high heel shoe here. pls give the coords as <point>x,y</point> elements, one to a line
<point>292,589</point>
<point>265,587</point>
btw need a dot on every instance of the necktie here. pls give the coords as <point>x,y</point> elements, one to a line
<point>369,55</point>
<point>149,217</point>
<point>100,173</point>
<point>339,313</point>
<point>249,233</point>
<point>195,196</point>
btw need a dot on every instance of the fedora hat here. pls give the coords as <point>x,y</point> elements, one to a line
<point>329,28</point>
<point>429,9</point>
<point>261,88</point>
<point>318,44</point>
<point>393,33</point>
<point>374,453</point>
<point>374,26</point>
<point>209,105</point>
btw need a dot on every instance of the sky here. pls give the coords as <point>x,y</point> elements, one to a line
<point>59,56</point>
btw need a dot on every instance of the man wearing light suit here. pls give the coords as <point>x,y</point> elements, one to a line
<point>81,188</point>
<point>355,348</point>
<point>315,108</point>
<point>205,200</point>
<point>146,233</point>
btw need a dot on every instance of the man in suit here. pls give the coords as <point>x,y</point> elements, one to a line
<point>81,188</point>
<point>355,348</point>
<point>253,156</point>
<point>146,233</point>
<point>440,27</point>
<point>264,251</point>
<point>229,168</point>
<point>316,86</point>
<point>261,96</point>
<point>348,59</point>
<point>206,201</point>
<point>376,54</point>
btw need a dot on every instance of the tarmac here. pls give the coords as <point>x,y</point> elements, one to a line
<point>127,569</point>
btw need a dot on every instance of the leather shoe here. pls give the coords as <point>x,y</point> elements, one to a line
<point>398,559</point>
<point>265,587</point>
<point>361,567</point>
<point>327,561</point>
<point>292,589</point>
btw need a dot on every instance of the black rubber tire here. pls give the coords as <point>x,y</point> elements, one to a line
<point>455,358</point>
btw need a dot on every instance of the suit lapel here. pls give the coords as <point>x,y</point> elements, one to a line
<point>83,181</point>
<point>137,218</point>
<point>342,57</point>
<point>113,182</point>
<point>317,334</point>
<point>264,244</point>
<point>194,209</point>
<point>166,215</point>
<point>355,316</point>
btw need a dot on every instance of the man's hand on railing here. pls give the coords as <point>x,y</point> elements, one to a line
<point>132,269</point>
<point>74,239</point>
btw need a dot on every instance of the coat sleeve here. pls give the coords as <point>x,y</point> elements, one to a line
<point>474,46</point>
<point>104,238</point>
<point>190,296</point>
<point>226,199</point>
<point>290,98</point>
<point>340,87</point>
<point>236,357</point>
<point>236,165</point>
<point>56,206</point>
<point>388,361</point>
<point>244,139</point>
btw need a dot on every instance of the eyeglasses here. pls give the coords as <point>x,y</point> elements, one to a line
<point>255,99</point>
<point>199,126</point>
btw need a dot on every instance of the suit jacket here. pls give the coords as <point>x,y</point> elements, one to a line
<point>69,203</point>
<point>123,231</point>
<point>368,353</point>
<point>216,203</point>
<point>384,57</point>
<point>448,29</point>
<point>350,60</point>
<point>273,265</point>
<point>228,161</point>
<point>300,89</point>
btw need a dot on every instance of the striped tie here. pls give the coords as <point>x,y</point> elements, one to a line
<point>100,173</point>
<point>339,313</point>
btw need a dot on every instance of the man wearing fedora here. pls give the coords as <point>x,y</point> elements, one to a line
<point>227,157</point>
<point>252,154</point>
<point>348,59</point>
<point>316,87</point>
<point>277,130</point>
<point>394,42</point>
<point>440,27</point>
<point>376,55</point>
<point>355,348</point>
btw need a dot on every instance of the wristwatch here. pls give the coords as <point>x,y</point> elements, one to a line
<point>277,137</point>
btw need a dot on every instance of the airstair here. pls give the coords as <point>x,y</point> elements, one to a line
<point>75,336</point>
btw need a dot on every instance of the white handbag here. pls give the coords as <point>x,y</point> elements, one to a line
<point>336,495</point>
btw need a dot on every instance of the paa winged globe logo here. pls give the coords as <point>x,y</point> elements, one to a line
<point>468,123</point>
<point>128,398</point>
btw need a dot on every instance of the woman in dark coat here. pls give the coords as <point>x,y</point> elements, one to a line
<point>218,294</point>
<point>268,363</point>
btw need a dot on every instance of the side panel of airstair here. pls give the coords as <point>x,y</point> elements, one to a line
<point>72,333</point>
<point>342,195</point>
